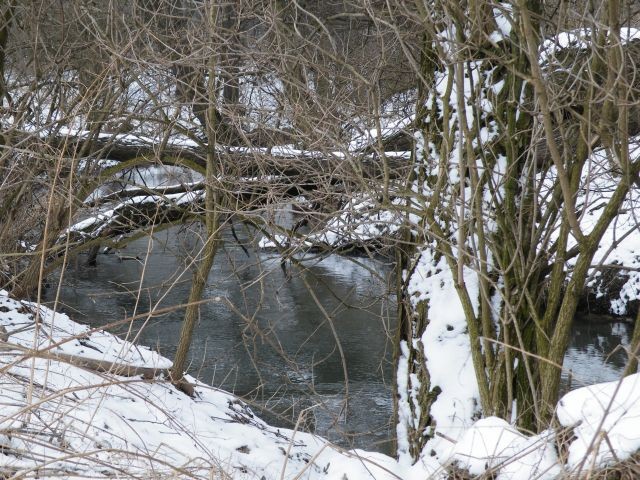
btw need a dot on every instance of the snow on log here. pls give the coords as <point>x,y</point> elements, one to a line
<point>247,161</point>
<point>133,214</point>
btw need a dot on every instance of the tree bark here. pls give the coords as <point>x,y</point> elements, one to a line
<point>212,228</point>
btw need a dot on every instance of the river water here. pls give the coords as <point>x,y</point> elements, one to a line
<point>267,339</point>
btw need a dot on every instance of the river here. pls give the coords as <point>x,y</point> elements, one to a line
<point>265,338</point>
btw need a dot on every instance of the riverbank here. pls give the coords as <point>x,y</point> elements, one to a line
<point>65,413</point>
<point>78,402</point>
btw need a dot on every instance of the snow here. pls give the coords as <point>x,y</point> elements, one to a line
<point>580,39</point>
<point>370,136</point>
<point>405,416</point>
<point>358,222</point>
<point>82,422</point>
<point>492,444</point>
<point>59,416</point>
<point>620,244</point>
<point>605,420</point>
<point>89,423</point>
<point>94,225</point>
<point>65,419</point>
<point>502,20</point>
<point>447,349</point>
<point>394,117</point>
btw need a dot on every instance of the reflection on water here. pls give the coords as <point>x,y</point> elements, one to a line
<point>265,337</point>
<point>595,353</point>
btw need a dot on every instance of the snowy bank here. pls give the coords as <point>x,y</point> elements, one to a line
<point>61,417</point>
<point>64,412</point>
<point>605,420</point>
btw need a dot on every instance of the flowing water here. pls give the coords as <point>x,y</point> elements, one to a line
<point>596,352</point>
<point>265,337</point>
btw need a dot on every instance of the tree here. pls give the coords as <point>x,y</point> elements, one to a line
<point>509,121</point>
<point>518,128</point>
<point>212,205</point>
<point>199,85</point>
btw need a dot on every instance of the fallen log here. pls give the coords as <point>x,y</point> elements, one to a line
<point>102,366</point>
<point>245,161</point>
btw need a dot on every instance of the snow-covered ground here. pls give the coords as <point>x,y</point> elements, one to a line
<point>62,413</point>
<point>59,416</point>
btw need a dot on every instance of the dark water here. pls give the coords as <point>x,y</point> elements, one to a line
<point>595,353</point>
<point>266,339</point>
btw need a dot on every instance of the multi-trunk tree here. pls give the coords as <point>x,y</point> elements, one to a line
<point>502,201</point>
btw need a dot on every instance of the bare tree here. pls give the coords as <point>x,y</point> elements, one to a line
<point>477,138</point>
<point>510,114</point>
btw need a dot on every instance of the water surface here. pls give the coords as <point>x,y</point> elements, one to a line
<point>263,336</point>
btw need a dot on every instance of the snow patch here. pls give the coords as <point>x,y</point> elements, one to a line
<point>491,444</point>
<point>605,419</point>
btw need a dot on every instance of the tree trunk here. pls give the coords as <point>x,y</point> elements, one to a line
<point>212,226</point>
